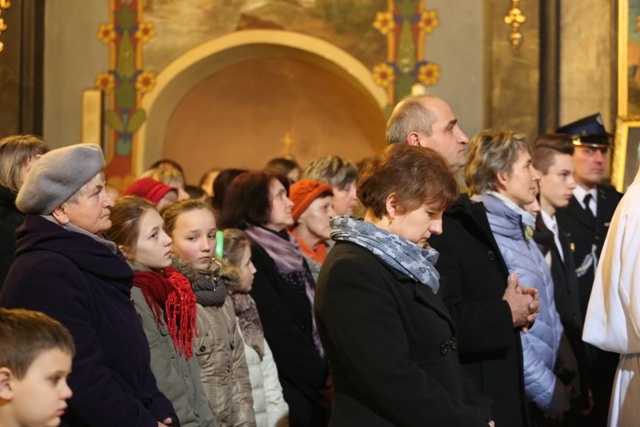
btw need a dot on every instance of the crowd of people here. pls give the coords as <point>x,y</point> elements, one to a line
<point>377,294</point>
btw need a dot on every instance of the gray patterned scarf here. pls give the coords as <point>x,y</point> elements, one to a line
<point>401,254</point>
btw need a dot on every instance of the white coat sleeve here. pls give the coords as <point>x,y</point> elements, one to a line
<point>277,408</point>
<point>612,322</point>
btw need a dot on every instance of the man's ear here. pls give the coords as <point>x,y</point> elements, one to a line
<point>6,388</point>
<point>61,215</point>
<point>413,139</point>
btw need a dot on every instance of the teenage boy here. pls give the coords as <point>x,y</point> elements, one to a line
<point>552,157</point>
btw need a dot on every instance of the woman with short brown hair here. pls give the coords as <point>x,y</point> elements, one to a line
<point>390,340</point>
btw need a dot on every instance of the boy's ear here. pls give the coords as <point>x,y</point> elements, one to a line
<point>6,389</point>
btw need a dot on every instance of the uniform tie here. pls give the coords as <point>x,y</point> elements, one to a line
<point>587,199</point>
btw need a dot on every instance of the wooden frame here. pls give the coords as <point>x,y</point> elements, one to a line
<point>625,154</point>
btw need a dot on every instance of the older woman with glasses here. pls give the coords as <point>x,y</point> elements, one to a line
<point>390,340</point>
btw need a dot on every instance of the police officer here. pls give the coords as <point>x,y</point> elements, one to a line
<point>586,220</point>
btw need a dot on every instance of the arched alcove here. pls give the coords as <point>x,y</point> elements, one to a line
<point>230,102</point>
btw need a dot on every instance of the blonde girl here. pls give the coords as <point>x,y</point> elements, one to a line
<point>218,346</point>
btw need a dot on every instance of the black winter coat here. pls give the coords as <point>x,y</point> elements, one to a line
<point>285,312</point>
<point>10,220</point>
<point>473,281</point>
<point>391,346</point>
<point>85,286</point>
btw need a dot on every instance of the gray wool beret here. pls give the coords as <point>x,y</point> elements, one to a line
<point>57,175</point>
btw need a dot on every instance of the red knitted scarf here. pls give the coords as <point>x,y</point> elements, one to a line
<point>171,293</point>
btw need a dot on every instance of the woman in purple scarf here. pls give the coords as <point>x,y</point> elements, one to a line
<point>283,289</point>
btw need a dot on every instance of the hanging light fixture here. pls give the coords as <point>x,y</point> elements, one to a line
<point>4,4</point>
<point>515,18</point>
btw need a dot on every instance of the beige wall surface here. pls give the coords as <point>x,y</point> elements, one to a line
<point>73,58</point>
<point>237,118</point>
<point>457,45</point>
<point>586,74</point>
<point>483,81</point>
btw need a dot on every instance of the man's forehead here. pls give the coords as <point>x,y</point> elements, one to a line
<point>562,161</point>
<point>441,110</point>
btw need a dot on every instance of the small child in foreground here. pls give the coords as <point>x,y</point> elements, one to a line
<point>35,361</point>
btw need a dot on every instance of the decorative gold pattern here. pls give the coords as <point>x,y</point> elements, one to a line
<point>515,18</point>
<point>4,4</point>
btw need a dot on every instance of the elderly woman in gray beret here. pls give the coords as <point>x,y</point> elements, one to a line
<point>65,268</point>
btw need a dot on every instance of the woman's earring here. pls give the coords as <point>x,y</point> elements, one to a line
<point>391,220</point>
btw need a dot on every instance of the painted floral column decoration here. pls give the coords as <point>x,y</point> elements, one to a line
<point>124,85</point>
<point>405,24</point>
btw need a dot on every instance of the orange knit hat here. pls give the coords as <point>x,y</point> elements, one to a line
<point>304,192</point>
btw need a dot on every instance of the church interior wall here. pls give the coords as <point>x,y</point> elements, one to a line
<point>484,80</point>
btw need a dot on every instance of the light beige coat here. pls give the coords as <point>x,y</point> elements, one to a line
<point>223,367</point>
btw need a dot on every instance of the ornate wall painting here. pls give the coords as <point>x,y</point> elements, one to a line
<point>405,25</point>
<point>387,36</point>
<point>124,84</point>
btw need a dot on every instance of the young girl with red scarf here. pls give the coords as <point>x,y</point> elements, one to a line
<point>166,306</point>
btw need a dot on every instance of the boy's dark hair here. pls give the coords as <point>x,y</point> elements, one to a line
<point>547,146</point>
<point>25,334</point>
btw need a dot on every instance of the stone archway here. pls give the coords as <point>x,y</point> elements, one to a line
<point>229,102</point>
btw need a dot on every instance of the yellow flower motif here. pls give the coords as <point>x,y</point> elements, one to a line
<point>106,33</point>
<point>145,32</point>
<point>145,82</point>
<point>429,74</point>
<point>383,75</point>
<point>384,22</point>
<point>105,82</point>
<point>428,21</point>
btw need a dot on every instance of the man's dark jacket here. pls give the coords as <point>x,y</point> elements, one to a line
<point>473,282</point>
<point>586,234</point>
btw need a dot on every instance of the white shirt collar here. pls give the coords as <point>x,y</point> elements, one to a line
<point>552,224</point>
<point>549,221</point>
<point>580,192</point>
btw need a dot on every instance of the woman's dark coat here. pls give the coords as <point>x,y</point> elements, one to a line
<point>10,220</point>
<point>81,283</point>
<point>285,312</point>
<point>473,281</point>
<point>391,346</point>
